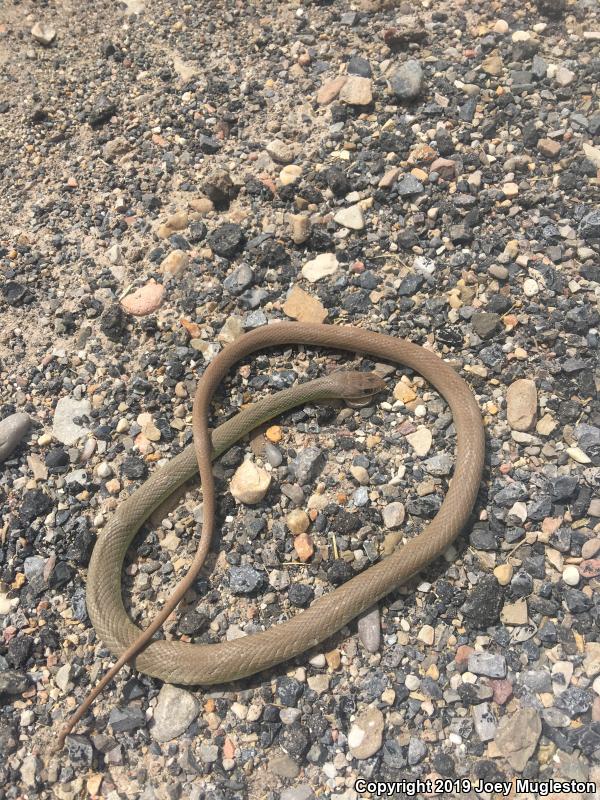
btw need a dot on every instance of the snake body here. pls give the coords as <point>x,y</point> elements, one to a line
<point>204,664</point>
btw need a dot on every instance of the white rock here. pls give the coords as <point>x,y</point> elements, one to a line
<point>282,152</point>
<point>521,404</point>
<point>564,76</point>
<point>320,267</point>
<point>43,33</point>
<point>63,427</point>
<point>357,91</point>
<point>12,429</point>
<point>571,575</point>
<point>426,634</point>
<point>63,677</point>
<point>366,734</point>
<point>420,441</point>
<point>351,217</point>
<point>577,454</point>
<point>393,515</point>
<point>250,483</point>
<point>175,710</point>
<point>592,154</point>
<point>369,629</point>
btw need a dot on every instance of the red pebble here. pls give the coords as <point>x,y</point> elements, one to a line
<point>462,653</point>
<point>502,690</point>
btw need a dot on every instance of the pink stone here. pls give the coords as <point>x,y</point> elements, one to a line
<point>330,90</point>
<point>463,652</point>
<point>144,300</point>
<point>502,690</point>
<point>445,167</point>
<point>590,568</point>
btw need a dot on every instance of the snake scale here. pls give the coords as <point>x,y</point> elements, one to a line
<point>205,664</point>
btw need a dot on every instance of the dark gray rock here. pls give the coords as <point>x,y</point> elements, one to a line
<point>408,186</point>
<point>589,227</point>
<point>407,81</point>
<point>239,280</point>
<point>307,465</point>
<point>484,603</point>
<point>359,66</point>
<point>126,719</point>
<point>485,324</point>
<point>245,580</point>
<point>227,240</point>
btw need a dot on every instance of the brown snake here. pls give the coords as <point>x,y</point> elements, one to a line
<point>204,664</point>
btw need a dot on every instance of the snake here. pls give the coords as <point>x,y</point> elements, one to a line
<point>184,663</point>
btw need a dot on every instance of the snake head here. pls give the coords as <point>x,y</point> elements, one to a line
<point>355,385</point>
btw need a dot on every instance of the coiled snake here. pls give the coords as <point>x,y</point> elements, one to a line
<point>203,664</point>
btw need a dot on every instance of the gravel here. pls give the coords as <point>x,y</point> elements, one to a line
<point>427,172</point>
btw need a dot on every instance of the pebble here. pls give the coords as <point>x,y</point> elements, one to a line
<point>282,152</point>
<point>145,300</point>
<point>300,227</point>
<point>227,240</point>
<point>417,750</point>
<point>284,766</point>
<point>304,307</point>
<point>591,153</point>
<point>290,174</point>
<point>365,736</point>
<point>504,574</point>
<point>570,575</point>
<point>30,770</point>
<point>126,719</point>
<point>175,710</point>
<point>439,465</point>
<point>351,217</point>
<point>320,267</point>
<point>521,404</point>
<point>517,737</point>
<point>489,664</point>
<point>300,792</point>
<point>43,33</point>
<point>564,77</point>
<point>174,265</point>
<point>357,91</point>
<point>303,545</point>
<point>591,662</point>
<point>244,580</point>
<point>63,677</point>
<point>250,483</point>
<point>369,629</point>
<point>426,635</point>
<point>409,185</point>
<point>297,521</point>
<point>209,753</point>
<point>393,515</point>
<point>514,613</point>
<point>484,721</point>
<point>307,465</point>
<point>12,430</point>
<point>330,90</point>
<point>492,65</point>
<point>549,148</point>
<point>64,428</point>
<point>407,82</point>
<point>420,441</point>
<point>530,287</point>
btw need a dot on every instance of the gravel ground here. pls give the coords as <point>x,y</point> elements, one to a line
<point>173,176</point>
